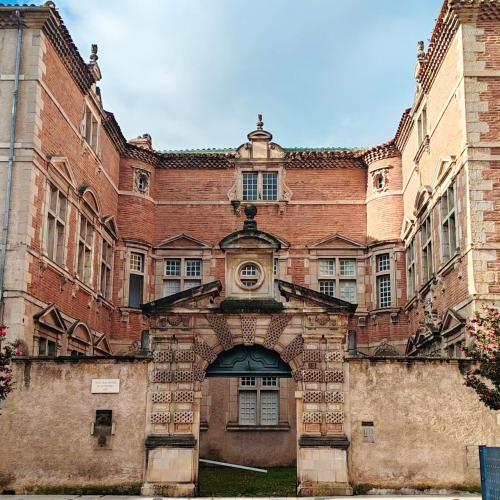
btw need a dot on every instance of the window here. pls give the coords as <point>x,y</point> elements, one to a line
<point>422,126</point>
<point>448,224</point>
<point>337,278</point>
<point>426,241</point>
<point>47,347</point>
<point>106,269</point>
<point>142,181</point>
<point>411,268</point>
<point>181,274</point>
<point>383,277</point>
<point>250,275</point>
<point>368,432</point>
<point>56,225</point>
<point>260,186</point>
<point>136,280</point>
<point>85,245</point>
<point>91,129</point>
<point>259,401</point>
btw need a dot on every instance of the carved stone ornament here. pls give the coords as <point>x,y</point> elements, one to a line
<point>380,180</point>
<point>141,181</point>
<point>174,319</point>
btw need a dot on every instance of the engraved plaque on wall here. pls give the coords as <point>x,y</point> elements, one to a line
<point>105,386</point>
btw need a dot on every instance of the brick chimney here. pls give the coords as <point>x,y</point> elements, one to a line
<point>144,141</point>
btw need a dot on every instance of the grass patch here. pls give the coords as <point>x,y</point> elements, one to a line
<point>229,482</point>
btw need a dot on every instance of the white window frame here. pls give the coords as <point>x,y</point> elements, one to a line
<point>260,184</point>
<point>106,270</point>
<point>258,388</point>
<point>381,274</point>
<point>182,278</point>
<point>426,247</point>
<point>337,277</point>
<point>88,249</point>
<point>448,218</point>
<point>411,269</point>
<point>52,246</point>
<point>137,272</point>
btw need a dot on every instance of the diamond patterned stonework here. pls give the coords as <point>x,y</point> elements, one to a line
<point>160,417</point>
<point>334,376</point>
<point>334,356</point>
<point>312,356</point>
<point>161,397</point>
<point>312,375</point>
<point>184,356</point>
<point>313,397</point>
<point>162,356</point>
<point>183,376</point>
<point>219,325</point>
<point>162,376</point>
<point>183,417</point>
<point>334,417</point>
<point>202,349</point>
<point>183,396</point>
<point>293,349</point>
<point>334,397</point>
<point>311,417</point>
<point>275,329</point>
<point>248,326</point>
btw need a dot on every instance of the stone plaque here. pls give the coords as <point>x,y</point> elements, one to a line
<point>105,386</point>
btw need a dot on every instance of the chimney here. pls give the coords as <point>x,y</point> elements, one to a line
<point>144,141</point>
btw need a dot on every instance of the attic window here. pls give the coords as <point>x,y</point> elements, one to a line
<point>250,275</point>
<point>142,181</point>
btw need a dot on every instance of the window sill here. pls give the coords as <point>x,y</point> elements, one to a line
<point>449,265</point>
<point>382,310</point>
<point>258,428</point>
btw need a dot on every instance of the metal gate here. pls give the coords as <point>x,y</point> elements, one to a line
<point>489,459</point>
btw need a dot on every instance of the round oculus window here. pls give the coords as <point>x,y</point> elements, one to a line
<point>250,275</point>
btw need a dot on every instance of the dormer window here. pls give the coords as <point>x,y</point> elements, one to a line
<point>250,275</point>
<point>260,186</point>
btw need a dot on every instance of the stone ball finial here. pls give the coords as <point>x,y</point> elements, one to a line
<point>420,51</point>
<point>250,211</point>
<point>50,5</point>
<point>260,123</point>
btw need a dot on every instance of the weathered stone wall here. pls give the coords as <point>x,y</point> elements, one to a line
<point>427,424</point>
<point>46,421</point>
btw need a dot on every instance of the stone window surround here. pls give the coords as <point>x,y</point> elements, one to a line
<point>411,292</point>
<point>428,245</point>
<point>257,388</point>
<point>183,276</point>
<point>108,293</point>
<point>137,173</point>
<point>382,171</point>
<point>89,107</point>
<point>392,273</point>
<point>454,212</point>
<point>137,248</point>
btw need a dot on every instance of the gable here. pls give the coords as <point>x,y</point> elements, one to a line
<point>51,318</point>
<point>109,223</point>
<point>184,241</point>
<point>252,238</point>
<point>336,241</point>
<point>80,331</point>
<point>444,168</point>
<point>102,344</point>
<point>61,167</point>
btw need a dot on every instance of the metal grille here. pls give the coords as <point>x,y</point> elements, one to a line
<point>248,408</point>
<point>489,459</point>
<point>250,183</point>
<point>270,185</point>
<point>269,407</point>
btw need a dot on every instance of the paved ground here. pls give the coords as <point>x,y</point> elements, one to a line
<point>359,497</point>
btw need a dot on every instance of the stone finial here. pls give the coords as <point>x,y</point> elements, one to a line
<point>92,65</point>
<point>50,5</point>
<point>260,123</point>
<point>144,141</point>
<point>93,53</point>
<point>421,51</point>
<point>250,224</point>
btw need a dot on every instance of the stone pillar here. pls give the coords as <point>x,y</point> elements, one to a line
<point>173,426</point>
<point>322,444</point>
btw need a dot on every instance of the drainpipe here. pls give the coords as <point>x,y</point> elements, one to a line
<point>10,163</point>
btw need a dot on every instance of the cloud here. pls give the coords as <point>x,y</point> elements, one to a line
<point>195,73</point>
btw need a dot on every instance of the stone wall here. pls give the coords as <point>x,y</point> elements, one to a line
<point>427,425</point>
<point>46,422</point>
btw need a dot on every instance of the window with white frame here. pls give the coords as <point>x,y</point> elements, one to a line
<point>422,126</point>
<point>181,274</point>
<point>259,186</point>
<point>136,279</point>
<point>85,250</point>
<point>259,401</point>
<point>105,281</point>
<point>448,223</point>
<point>91,129</point>
<point>55,233</point>
<point>383,277</point>
<point>426,242</point>
<point>411,269</point>
<point>337,278</point>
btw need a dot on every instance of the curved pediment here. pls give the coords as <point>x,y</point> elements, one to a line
<point>252,239</point>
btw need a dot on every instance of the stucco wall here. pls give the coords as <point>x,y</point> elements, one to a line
<point>427,424</point>
<point>45,425</point>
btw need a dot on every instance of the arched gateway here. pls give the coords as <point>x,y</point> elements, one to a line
<point>193,332</point>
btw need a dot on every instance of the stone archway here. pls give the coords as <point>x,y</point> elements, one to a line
<point>188,334</point>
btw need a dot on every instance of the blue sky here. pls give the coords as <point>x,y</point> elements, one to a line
<point>195,73</point>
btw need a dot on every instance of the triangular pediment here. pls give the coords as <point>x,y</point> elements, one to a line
<point>422,199</point>
<point>80,331</point>
<point>102,344</point>
<point>444,168</point>
<point>62,167</point>
<point>452,321</point>
<point>51,318</point>
<point>336,241</point>
<point>407,227</point>
<point>109,223</point>
<point>195,296</point>
<point>184,241</point>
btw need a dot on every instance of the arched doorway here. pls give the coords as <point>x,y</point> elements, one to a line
<point>248,419</point>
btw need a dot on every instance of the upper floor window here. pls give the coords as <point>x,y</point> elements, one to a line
<point>106,269</point>
<point>91,132</point>
<point>422,126</point>
<point>411,268</point>
<point>383,276</point>
<point>337,278</point>
<point>259,401</point>
<point>260,186</point>
<point>136,279</point>
<point>426,241</point>
<point>56,224</point>
<point>448,223</point>
<point>181,274</point>
<point>85,250</point>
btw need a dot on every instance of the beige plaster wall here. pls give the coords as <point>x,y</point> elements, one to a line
<point>45,425</point>
<point>427,424</point>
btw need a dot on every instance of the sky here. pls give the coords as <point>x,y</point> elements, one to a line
<point>195,73</point>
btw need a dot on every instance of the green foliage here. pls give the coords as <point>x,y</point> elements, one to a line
<point>483,330</point>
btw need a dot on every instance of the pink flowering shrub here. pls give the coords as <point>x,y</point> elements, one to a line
<point>6,353</point>
<point>483,330</point>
